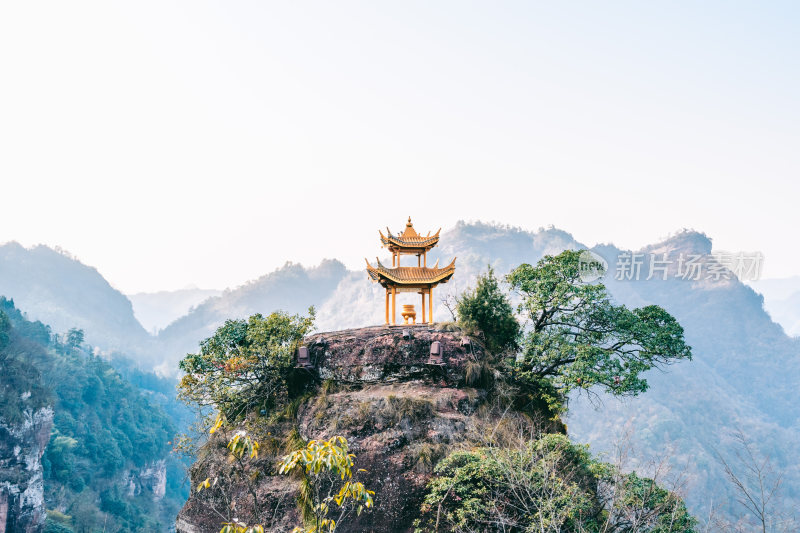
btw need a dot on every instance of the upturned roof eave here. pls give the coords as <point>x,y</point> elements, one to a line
<point>425,275</point>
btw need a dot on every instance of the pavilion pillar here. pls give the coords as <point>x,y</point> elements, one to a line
<point>430,304</point>
<point>422,292</point>
<point>425,257</point>
<point>394,305</point>
<point>387,306</point>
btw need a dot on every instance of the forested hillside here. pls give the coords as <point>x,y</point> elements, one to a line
<point>107,465</point>
<point>743,377</point>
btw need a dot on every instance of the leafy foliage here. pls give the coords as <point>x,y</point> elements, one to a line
<point>578,338</point>
<point>328,465</point>
<point>486,309</point>
<point>546,485</point>
<point>243,450</point>
<point>326,468</point>
<point>635,503</point>
<point>245,365</point>
<point>537,488</point>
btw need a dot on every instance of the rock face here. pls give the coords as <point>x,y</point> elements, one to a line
<point>150,479</point>
<point>382,355</point>
<point>22,508</point>
<point>399,413</point>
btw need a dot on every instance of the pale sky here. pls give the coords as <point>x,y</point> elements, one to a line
<point>176,143</point>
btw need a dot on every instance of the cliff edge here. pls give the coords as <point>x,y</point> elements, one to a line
<point>400,409</point>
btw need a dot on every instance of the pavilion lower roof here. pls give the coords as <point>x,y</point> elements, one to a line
<point>410,275</point>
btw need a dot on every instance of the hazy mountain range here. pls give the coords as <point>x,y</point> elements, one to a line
<point>744,373</point>
<point>57,289</point>
<point>156,310</point>
<point>782,301</point>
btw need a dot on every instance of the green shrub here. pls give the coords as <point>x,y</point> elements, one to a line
<point>548,484</point>
<point>55,527</point>
<point>485,310</point>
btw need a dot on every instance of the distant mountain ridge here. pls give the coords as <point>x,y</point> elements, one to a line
<point>743,375</point>
<point>291,288</point>
<point>782,301</point>
<point>156,310</point>
<point>61,291</point>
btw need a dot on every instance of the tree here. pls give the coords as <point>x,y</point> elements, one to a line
<point>578,338</point>
<point>5,329</point>
<point>328,482</point>
<point>245,365</point>
<point>758,488</point>
<point>74,338</point>
<point>486,309</point>
<point>632,503</point>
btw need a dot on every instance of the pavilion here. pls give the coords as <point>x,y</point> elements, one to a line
<point>419,279</point>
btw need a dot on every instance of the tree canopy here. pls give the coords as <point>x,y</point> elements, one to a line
<point>578,338</point>
<point>246,363</point>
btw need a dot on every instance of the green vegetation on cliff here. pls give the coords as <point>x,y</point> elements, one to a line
<point>21,388</point>
<point>547,485</point>
<point>107,464</point>
<point>246,365</point>
<point>577,338</point>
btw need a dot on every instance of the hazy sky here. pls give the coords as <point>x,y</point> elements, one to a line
<point>207,143</point>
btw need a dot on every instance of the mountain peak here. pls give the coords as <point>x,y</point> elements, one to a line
<point>686,241</point>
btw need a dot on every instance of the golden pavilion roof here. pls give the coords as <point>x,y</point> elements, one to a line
<point>410,275</point>
<point>410,240</point>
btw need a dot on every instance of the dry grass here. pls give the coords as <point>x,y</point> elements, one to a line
<point>412,409</point>
<point>426,455</point>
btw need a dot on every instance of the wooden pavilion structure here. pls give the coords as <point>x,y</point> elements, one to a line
<point>419,279</point>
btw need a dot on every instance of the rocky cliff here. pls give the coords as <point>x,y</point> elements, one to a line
<point>22,507</point>
<point>399,410</point>
<point>150,479</point>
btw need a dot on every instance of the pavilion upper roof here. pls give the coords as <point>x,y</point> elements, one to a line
<point>411,275</point>
<point>409,239</point>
